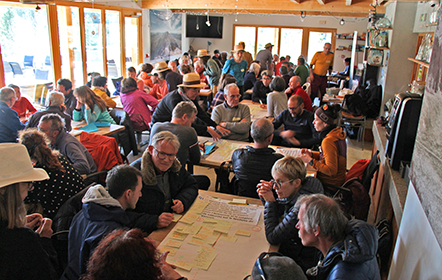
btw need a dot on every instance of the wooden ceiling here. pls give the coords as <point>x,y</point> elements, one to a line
<point>338,8</point>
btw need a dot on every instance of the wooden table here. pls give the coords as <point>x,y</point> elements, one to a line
<point>225,149</point>
<point>232,259</point>
<point>332,100</point>
<point>105,131</point>
<point>256,112</point>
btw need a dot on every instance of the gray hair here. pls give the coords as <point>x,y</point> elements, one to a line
<point>165,136</point>
<point>55,120</point>
<point>261,129</point>
<point>277,84</point>
<point>291,167</point>
<point>323,212</point>
<point>56,98</point>
<point>184,108</point>
<point>254,67</point>
<point>6,93</point>
<point>227,88</point>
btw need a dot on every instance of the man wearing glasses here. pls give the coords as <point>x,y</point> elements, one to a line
<point>262,88</point>
<point>167,187</point>
<point>298,126</point>
<point>254,163</point>
<point>232,115</point>
<point>188,91</point>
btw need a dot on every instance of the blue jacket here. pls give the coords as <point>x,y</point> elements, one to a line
<point>9,124</point>
<point>284,232</point>
<point>100,215</point>
<point>354,257</point>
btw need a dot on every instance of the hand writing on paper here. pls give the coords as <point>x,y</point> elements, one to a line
<point>178,206</point>
<point>264,190</point>
<point>164,220</point>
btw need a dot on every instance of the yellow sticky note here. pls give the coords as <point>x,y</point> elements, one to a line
<point>239,201</point>
<point>189,218</point>
<point>178,235</point>
<point>164,249</point>
<point>176,217</point>
<point>209,221</point>
<point>221,229</point>
<point>199,206</point>
<point>173,243</point>
<point>228,238</point>
<point>201,235</point>
<point>223,223</point>
<point>212,238</point>
<point>197,242</point>
<point>180,264</point>
<point>205,257</point>
<point>243,232</point>
<point>191,229</point>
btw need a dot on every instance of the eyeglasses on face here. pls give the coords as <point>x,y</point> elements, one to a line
<point>235,96</point>
<point>277,185</point>
<point>163,156</point>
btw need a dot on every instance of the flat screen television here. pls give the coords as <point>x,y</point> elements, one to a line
<point>215,30</point>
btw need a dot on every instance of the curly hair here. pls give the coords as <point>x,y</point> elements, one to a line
<point>124,255</point>
<point>87,96</point>
<point>36,143</point>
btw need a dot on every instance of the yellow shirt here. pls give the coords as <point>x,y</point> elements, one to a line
<point>109,102</point>
<point>322,63</point>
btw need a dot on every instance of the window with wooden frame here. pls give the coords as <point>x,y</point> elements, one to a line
<point>287,40</point>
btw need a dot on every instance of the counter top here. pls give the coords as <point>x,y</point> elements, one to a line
<point>397,187</point>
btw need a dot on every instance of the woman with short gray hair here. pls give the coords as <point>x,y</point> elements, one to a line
<point>277,99</point>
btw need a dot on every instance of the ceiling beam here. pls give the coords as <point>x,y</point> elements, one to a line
<point>267,12</point>
<point>254,6</point>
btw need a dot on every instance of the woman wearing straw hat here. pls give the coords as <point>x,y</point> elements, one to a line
<point>24,254</point>
<point>165,73</point>
<point>237,67</point>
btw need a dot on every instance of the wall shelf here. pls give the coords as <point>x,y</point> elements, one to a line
<point>425,64</point>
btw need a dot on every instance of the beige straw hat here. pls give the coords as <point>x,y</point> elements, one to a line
<point>192,80</point>
<point>202,53</point>
<point>160,67</point>
<point>237,48</point>
<point>16,166</point>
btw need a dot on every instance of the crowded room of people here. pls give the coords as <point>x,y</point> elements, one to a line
<point>235,140</point>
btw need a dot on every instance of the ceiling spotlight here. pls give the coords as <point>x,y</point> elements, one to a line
<point>303,14</point>
<point>197,25</point>
<point>37,8</point>
<point>236,16</point>
<point>342,22</point>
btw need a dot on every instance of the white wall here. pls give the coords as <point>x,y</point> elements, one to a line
<point>226,43</point>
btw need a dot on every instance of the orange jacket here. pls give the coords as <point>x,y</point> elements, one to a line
<point>331,161</point>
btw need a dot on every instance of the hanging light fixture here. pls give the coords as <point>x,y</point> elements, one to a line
<point>303,15</point>
<point>342,22</point>
<point>208,20</point>
<point>197,25</point>
<point>236,16</point>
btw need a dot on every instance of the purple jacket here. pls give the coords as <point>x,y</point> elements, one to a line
<point>135,103</point>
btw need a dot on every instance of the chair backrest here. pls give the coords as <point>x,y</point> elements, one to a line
<point>28,61</point>
<point>306,88</point>
<point>6,67</point>
<point>16,69</point>
<point>372,167</point>
<point>127,136</point>
<point>41,74</point>
<point>104,150</point>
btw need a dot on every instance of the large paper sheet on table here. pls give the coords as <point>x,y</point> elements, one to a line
<point>223,241</point>
<point>256,112</point>
<point>225,150</point>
